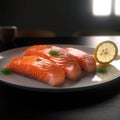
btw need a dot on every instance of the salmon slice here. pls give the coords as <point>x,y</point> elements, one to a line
<point>38,68</point>
<point>59,56</point>
<point>85,60</point>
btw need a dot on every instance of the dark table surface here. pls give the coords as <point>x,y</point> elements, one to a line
<point>101,102</point>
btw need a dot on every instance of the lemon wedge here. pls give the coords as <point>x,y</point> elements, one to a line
<point>105,52</point>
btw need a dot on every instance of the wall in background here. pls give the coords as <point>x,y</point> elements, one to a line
<point>61,16</point>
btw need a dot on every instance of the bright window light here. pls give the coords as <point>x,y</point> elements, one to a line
<point>117,7</point>
<point>102,7</point>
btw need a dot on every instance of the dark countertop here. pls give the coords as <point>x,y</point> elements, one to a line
<point>101,102</point>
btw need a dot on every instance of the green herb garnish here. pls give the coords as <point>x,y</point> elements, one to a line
<point>5,71</point>
<point>101,69</point>
<point>54,53</point>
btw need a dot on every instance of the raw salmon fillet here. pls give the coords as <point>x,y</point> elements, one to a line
<point>38,68</point>
<point>59,56</point>
<point>86,61</point>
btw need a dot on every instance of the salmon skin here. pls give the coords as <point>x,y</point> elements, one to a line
<point>38,68</point>
<point>86,61</point>
<point>59,56</point>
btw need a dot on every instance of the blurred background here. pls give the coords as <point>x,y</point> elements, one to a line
<point>64,17</point>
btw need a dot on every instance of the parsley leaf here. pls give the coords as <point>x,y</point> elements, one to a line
<point>101,69</point>
<point>54,53</point>
<point>5,71</point>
